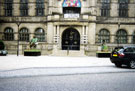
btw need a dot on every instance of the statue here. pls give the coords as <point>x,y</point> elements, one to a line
<point>34,42</point>
<point>104,47</point>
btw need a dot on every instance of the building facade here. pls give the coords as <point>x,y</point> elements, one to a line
<point>67,27</point>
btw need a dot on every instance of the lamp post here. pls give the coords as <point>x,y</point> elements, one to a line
<point>18,24</point>
<point>118,35</point>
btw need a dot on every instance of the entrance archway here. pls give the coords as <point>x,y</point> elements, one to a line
<point>70,39</point>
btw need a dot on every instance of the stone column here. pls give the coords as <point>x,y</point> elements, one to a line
<point>31,36</point>
<point>16,31</point>
<point>114,8</point>
<point>82,35</point>
<point>1,8</point>
<point>32,8</point>
<point>58,36</point>
<point>16,8</point>
<point>112,38</point>
<point>83,31</point>
<point>129,38</point>
<point>87,29</point>
<point>91,33</point>
<point>54,33</point>
<point>50,32</point>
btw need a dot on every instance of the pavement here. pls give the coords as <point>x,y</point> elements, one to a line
<point>16,66</point>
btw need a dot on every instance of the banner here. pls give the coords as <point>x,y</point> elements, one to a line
<point>71,3</point>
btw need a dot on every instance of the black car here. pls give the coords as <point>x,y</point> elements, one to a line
<point>3,52</point>
<point>123,55</point>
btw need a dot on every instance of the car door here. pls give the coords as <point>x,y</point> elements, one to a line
<point>133,55</point>
<point>128,53</point>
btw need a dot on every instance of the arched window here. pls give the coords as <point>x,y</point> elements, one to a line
<point>39,7</point>
<point>121,37</point>
<point>8,7</point>
<point>9,34</point>
<point>105,9</point>
<point>24,34</point>
<point>123,8</point>
<point>133,38</point>
<point>40,34</point>
<point>104,35</point>
<point>24,7</point>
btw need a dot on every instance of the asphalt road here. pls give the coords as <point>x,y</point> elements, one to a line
<point>55,71</point>
<point>124,81</point>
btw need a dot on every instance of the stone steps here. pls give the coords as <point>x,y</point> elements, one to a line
<point>68,53</point>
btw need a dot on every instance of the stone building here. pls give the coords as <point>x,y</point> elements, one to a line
<point>67,27</point>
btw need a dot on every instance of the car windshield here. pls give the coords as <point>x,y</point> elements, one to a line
<point>121,50</point>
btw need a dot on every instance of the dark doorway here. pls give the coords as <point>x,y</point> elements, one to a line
<point>70,39</point>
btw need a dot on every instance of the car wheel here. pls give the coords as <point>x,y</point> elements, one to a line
<point>118,64</point>
<point>132,64</point>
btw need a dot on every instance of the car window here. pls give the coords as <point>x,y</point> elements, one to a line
<point>134,50</point>
<point>118,48</point>
<point>128,50</point>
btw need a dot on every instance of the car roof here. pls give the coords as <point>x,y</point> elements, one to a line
<point>125,47</point>
<point>129,46</point>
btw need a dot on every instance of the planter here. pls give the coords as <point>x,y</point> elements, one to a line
<point>103,54</point>
<point>32,52</point>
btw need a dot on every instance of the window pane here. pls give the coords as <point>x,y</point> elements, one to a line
<point>123,8</point>
<point>121,37</point>
<point>8,7</point>
<point>24,35</point>
<point>40,34</point>
<point>133,38</point>
<point>8,34</point>
<point>24,7</point>
<point>104,35</point>
<point>40,7</point>
<point>105,9</point>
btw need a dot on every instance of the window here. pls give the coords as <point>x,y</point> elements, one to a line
<point>24,35</point>
<point>40,34</point>
<point>8,34</point>
<point>123,8</point>
<point>8,7</point>
<point>133,38</point>
<point>105,9</point>
<point>104,35</point>
<point>121,37</point>
<point>39,7</point>
<point>24,8</point>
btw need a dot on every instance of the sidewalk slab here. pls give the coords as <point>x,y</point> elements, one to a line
<point>12,62</point>
<point>24,66</point>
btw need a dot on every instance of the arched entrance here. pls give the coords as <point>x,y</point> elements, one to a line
<point>70,39</point>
